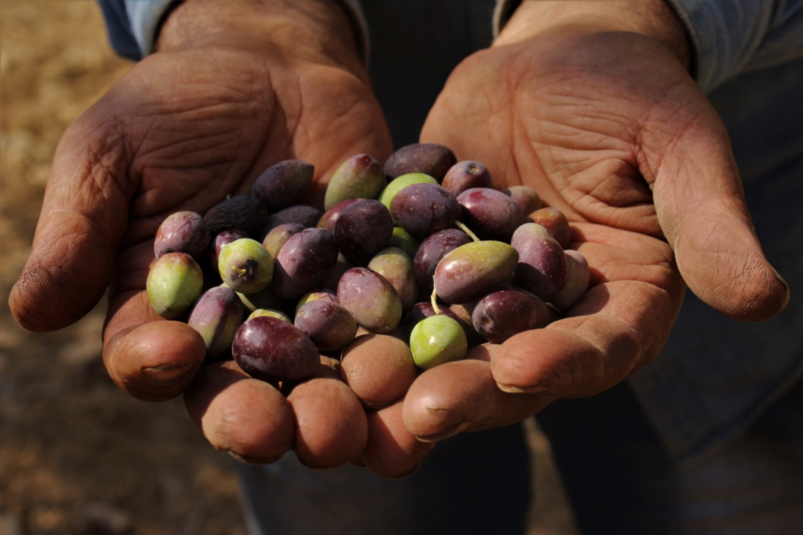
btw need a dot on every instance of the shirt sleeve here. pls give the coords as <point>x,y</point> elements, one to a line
<point>118,27</point>
<point>133,24</point>
<point>729,36</point>
<point>734,36</point>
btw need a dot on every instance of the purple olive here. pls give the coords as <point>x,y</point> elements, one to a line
<point>467,175</point>
<point>329,218</point>
<point>362,230</point>
<point>503,313</point>
<point>525,197</point>
<point>304,262</point>
<point>371,299</point>
<point>283,184</point>
<point>555,222</point>
<point>542,268</point>
<point>428,158</point>
<point>272,350</point>
<point>330,326</point>
<point>432,250</point>
<point>182,232</point>
<point>424,209</point>
<point>491,214</point>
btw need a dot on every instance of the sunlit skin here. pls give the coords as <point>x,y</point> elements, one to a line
<point>183,129</point>
<point>607,126</point>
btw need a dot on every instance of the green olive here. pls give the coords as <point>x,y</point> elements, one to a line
<point>436,340</point>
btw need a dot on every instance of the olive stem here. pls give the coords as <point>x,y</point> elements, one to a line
<point>240,271</point>
<point>467,230</point>
<point>435,301</point>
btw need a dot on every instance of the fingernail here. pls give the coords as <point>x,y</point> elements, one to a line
<point>785,285</point>
<point>510,389</point>
<point>446,434</point>
<point>166,374</point>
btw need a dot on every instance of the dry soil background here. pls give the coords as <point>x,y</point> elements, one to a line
<point>77,456</point>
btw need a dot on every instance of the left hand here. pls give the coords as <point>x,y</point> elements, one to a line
<point>196,121</point>
<point>609,128</point>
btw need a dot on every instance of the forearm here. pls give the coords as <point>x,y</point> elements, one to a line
<point>315,30</point>
<point>653,18</point>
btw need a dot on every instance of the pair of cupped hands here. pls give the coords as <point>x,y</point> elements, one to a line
<point>608,126</point>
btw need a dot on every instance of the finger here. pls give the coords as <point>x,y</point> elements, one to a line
<point>331,427</point>
<point>392,451</point>
<point>616,328</point>
<point>155,361</point>
<point>248,418</point>
<point>379,369</point>
<point>701,207</point>
<point>149,358</point>
<point>82,221</point>
<point>463,396</point>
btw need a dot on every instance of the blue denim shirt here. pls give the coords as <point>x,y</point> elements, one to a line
<point>715,375</point>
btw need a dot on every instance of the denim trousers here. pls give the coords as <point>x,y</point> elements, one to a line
<point>616,473</point>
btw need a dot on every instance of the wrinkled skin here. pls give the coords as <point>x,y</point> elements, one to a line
<point>183,129</point>
<point>609,128</point>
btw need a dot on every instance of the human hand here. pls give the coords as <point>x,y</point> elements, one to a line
<point>590,107</point>
<point>186,127</point>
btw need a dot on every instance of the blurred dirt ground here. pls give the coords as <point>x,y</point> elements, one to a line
<point>77,456</point>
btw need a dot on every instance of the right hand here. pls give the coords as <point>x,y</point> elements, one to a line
<point>187,126</point>
<point>590,107</point>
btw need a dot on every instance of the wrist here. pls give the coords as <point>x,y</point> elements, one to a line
<point>318,31</point>
<point>651,18</point>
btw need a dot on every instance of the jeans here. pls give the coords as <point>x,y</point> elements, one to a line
<point>620,481</point>
<point>472,484</point>
<point>617,475</point>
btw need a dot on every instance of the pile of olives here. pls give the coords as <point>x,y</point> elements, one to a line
<point>412,264</point>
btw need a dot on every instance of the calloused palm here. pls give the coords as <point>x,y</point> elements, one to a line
<point>181,131</point>
<point>610,129</point>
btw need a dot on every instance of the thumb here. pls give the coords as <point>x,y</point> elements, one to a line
<point>701,208</point>
<point>82,221</point>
